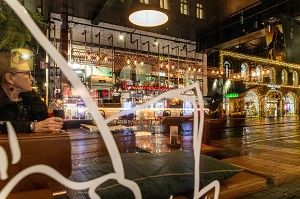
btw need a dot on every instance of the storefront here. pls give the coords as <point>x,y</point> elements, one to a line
<point>271,103</point>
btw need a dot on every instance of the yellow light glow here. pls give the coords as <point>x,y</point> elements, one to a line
<point>148,18</point>
<point>121,37</point>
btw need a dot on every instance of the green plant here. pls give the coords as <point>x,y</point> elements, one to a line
<point>13,33</point>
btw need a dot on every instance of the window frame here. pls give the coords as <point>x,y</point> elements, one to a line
<point>199,10</point>
<point>148,2</point>
<point>164,4</point>
<point>184,7</point>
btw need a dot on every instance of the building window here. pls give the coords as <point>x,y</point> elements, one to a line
<point>199,11</point>
<point>295,79</point>
<point>145,1</point>
<point>165,4</point>
<point>284,77</point>
<point>273,75</point>
<point>184,7</point>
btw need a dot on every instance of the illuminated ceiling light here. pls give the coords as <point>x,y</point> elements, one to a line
<point>142,63</point>
<point>121,36</point>
<point>173,66</point>
<point>148,18</point>
<point>155,42</point>
<point>213,71</point>
<point>135,62</point>
<point>199,70</point>
<point>105,58</point>
<point>128,61</point>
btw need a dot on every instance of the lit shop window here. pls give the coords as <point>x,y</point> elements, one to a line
<point>184,7</point>
<point>165,4</point>
<point>199,10</point>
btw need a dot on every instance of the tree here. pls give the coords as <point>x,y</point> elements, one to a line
<point>13,33</point>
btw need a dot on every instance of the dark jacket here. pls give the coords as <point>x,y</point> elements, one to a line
<point>20,114</point>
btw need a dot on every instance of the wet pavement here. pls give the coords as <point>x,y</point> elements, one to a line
<point>256,135</point>
<point>237,137</point>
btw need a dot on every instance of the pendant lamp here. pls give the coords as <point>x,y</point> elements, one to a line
<point>148,18</point>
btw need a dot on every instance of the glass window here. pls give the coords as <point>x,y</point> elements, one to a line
<point>165,4</point>
<point>145,1</point>
<point>284,77</point>
<point>273,75</point>
<point>295,79</point>
<point>199,10</point>
<point>184,7</point>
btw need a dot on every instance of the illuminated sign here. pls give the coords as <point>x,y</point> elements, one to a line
<point>232,95</point>
<point>273,86</point>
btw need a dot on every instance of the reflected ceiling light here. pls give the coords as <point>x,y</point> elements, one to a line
<point>105,58</point>
<point>121,36</point>
<point>148,18</point>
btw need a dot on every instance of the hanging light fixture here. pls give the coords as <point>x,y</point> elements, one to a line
<point>148,18</point>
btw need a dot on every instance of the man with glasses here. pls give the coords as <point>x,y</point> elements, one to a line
<point>19,104</point>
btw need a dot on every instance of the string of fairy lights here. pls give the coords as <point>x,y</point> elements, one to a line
<point>259,61</point>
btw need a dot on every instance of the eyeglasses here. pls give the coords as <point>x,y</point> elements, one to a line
<point>18,57</point>
<point>28,73</point>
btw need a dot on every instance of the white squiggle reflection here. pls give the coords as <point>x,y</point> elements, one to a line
<point>13,144</point>
<point>15,150</point>
<point>105,132</point>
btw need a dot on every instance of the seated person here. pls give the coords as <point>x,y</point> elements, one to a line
<point>19,104</point>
